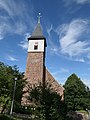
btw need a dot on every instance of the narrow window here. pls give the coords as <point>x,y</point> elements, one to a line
<point>36,46</point>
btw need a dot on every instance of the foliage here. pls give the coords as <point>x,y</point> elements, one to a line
<point>88,98</point>
<point>5,117</point>
<point>7,77</point>
<point>47,104</point>
<point>22,109</point>
<point>76,94</point>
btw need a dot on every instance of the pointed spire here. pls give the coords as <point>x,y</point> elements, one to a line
<point>38,31</point>
<point>39,16</point>
<point>37,34</point>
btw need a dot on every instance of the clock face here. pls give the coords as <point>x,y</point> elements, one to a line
<point>36,46</point>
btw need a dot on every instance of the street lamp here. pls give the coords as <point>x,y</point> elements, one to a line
<point>11,110</point>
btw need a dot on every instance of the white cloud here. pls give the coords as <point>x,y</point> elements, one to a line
<point>62,70</point>
<point>51,45</point>
<point>10,7</point>
<point>86,82</point>
<point>82,1</point>
<point>88,68</point>
<point>24,44</point>
<point>49,30</point>
<point>58,75</point>
<point>8,28</point>
<point>54,49</point>
<point>15,8</point>
<point>15,18</point>
<point>11,58</point>
<point>72,39</point>
<point>88,56</point>
<point>4,27</point>
<point>80,60</point>
<point>68,2</point>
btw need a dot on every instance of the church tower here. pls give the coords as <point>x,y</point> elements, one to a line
<point>36,72</point>
<point>35,66</point>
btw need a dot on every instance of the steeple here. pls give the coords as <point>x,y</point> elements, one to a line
<point>38,31</point>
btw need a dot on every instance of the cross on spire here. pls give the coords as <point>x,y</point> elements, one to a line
<point>39,16</point>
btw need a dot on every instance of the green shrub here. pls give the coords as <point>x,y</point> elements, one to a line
<point>21,109</point>
<point>5,117</point>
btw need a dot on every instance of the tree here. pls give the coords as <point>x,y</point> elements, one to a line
<point>88,98</point>
<point>47,104</point>
<point>75,93</point>
<point>7,76</point>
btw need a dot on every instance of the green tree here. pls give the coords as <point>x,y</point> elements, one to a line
<point>7,76</point>
<point>75,93</point>
<point>47,104</point>
<point>88,98</point>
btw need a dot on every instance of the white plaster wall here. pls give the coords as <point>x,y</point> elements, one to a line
<point>40,45</point>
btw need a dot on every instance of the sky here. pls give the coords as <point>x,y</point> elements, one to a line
<point>65,25</point>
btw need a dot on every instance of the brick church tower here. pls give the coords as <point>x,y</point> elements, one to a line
<point>36,71</point>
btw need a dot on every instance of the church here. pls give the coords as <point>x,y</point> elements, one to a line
<point>36,72</point>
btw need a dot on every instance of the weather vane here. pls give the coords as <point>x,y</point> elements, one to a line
<point>39,16</point>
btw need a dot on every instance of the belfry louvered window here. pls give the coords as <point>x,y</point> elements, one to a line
<point>36,46</point>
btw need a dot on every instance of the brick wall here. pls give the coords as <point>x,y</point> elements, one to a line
<point>34,67</point>
<point>34,71</point>
<point>35,74</point>
<point>54,84</point>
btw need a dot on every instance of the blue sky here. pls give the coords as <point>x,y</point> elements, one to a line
<point>66,26</point>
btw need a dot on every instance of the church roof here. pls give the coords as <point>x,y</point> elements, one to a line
<point>37,33</point>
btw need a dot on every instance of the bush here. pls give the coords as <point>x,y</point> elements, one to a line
<point>47,104</point>
<point>21,109</point>
<point>5,117</point>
